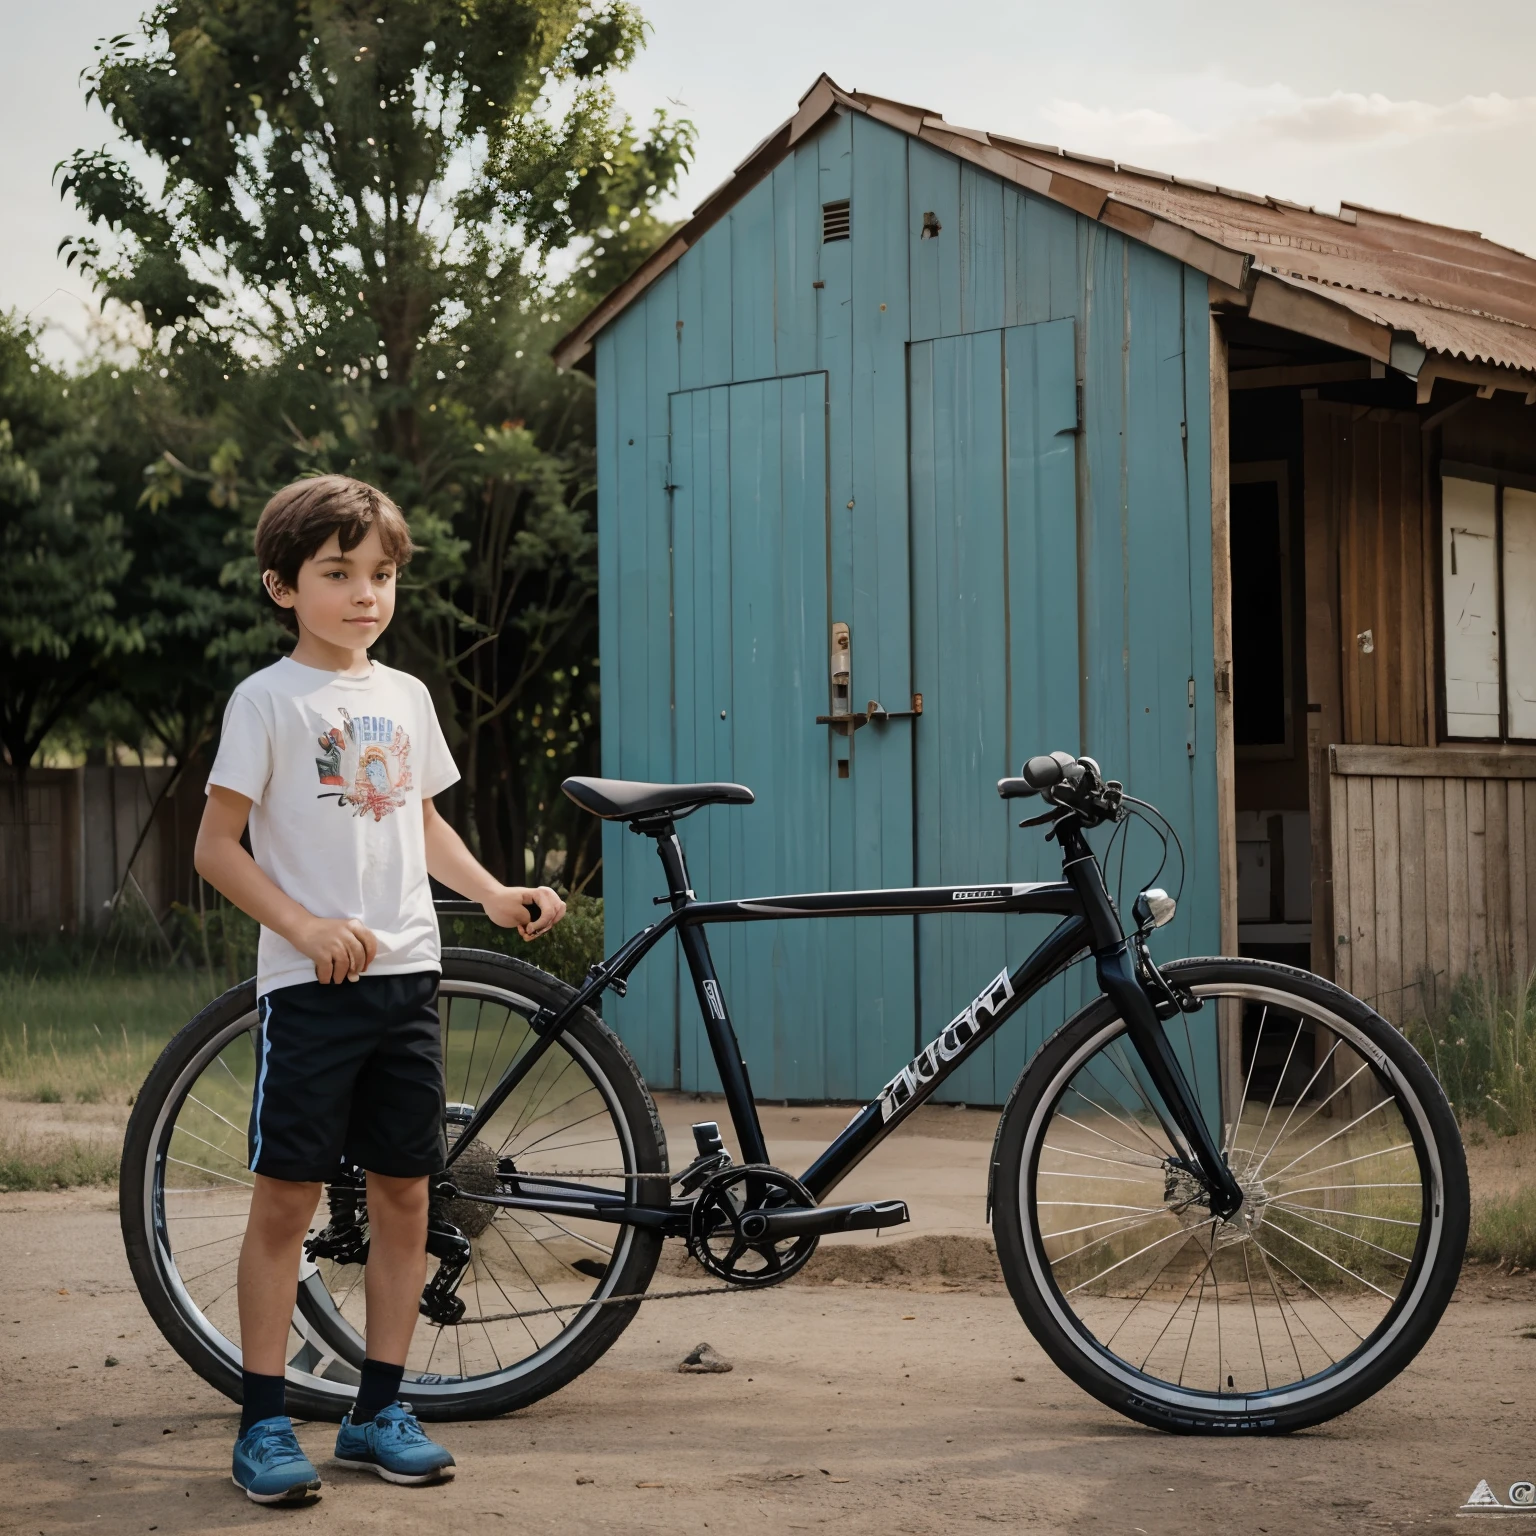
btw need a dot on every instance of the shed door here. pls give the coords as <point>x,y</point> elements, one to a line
<point>750,675</point>
<point>994,629</point>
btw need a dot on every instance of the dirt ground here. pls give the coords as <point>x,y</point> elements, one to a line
<point>898,1391</point>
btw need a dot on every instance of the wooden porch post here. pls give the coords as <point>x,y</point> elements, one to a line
<point>1230,1023</point>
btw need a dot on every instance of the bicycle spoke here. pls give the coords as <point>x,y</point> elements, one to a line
<point>1280,1308</point>
<point>1302,1280</point>
<point>1402,1258</point>
<point>1342,1131</point>
<point>239,1162</point>
<point>1131,1126</point>
<point>213,1172</point>
<point>1329,1259</point>
<point>1315,1112</point>
<point>1312,1173</point>
<point>1195,1321</point>
<point>1146,1291</point>
<point>1110,1139</point>
<point>1102,1178</point>
<point>1237,1117</point>
<point>1090,1225</point>
<point>1253,1303</point>
<point>1396,1221</point>
<point>1301,1098</point>
<point>1119,1162</point>
<point>1157,1243</point>
<point>240,1131</point>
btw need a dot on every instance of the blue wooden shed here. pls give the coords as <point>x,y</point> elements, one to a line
<point>1078,455</point>
<point>925,395</point>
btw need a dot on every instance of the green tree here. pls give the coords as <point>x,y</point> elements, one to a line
<point>348,265</point>
<point>62,559</point>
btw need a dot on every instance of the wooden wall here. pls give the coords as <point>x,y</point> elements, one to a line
<point>1434,870</point>
<point>1369,571</point>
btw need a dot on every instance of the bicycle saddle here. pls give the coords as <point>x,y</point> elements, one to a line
<point>626,799</point>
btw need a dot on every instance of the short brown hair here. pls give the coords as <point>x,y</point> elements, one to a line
<point>302,517</point>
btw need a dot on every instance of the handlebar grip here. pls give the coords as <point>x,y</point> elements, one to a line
<point>1042,773</point>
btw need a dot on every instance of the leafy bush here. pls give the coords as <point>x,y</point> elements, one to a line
<point>566,951</point>
<point>220,940</point>
<point>1482,1047</point>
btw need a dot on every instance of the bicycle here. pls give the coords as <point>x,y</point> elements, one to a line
<point>1226,1195</point>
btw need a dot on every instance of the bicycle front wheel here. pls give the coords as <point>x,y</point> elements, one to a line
<point>531,1316</point>
<point>1318,1291</point>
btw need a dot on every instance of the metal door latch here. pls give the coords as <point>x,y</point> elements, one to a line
<point>874,711</point>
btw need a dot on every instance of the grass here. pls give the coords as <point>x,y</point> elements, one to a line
<point>55,1162</point>
<point>85,1039</point>
<point>1482,1047</point>
<point>1504,1228</point>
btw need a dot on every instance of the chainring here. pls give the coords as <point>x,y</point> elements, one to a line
<point>715,1237</point>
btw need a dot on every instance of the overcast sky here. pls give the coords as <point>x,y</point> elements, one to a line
<point>1416,106</point>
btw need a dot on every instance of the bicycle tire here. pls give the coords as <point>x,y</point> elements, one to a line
<point>214,1356</point>
<point>1051,1099</point>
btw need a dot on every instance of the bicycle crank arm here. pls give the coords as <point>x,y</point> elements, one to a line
<point>798,1222</point>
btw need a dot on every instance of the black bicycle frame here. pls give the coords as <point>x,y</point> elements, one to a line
<point>1090,924</point>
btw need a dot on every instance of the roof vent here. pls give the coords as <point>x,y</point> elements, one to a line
<point>835,224</point>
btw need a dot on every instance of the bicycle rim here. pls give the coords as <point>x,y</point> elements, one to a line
<point>1313,1282</point>
<point>565,1118</point>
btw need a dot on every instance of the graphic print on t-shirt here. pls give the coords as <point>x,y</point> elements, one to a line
<point>365,763</point>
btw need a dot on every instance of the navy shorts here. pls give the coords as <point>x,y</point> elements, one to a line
<point>349,1074</point>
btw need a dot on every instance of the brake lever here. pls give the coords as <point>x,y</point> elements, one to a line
<point>1043,817</point>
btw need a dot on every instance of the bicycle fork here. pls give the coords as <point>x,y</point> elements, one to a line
<point>1116,965</point>
<point>1118,978</point>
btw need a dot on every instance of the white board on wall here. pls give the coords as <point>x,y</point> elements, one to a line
<point>1469,563</point>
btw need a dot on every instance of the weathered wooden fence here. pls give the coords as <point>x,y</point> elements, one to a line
<point>67,837</point>
<point>1434,869</point>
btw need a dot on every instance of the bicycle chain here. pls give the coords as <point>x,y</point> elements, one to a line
<point>607,1301</point>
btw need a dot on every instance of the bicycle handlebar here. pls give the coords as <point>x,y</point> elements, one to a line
<point>1075,784</point>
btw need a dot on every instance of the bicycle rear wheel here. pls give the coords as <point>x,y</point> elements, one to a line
<point>1324,1285</point>
<point>529,1324</point>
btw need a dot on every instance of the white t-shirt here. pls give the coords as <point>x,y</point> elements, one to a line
<point>336,769</point>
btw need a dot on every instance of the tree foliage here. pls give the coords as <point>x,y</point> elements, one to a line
<point>62,551</point>
<point>365,222</point>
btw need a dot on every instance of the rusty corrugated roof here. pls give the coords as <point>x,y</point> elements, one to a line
<point>1382,277</point>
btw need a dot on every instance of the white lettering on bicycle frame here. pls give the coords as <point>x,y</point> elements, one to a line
<point>712,992</point>
<point>961,1031</point>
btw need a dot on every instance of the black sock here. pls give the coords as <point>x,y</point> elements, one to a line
<point>261,1397</point>
<point>379,1387</point>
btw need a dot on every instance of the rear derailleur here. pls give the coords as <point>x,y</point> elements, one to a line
<point>344,1240</point>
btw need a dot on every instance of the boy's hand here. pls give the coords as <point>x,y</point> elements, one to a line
<point>509,908</point>
<point>341,947</point>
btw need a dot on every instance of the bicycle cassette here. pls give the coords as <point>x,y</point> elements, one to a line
<point>720,1235</point>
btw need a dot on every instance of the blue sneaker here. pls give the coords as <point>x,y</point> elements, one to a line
<point>395,1446</point>
<point>270,1466</point>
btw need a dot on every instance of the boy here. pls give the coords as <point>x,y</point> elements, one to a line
<point>333,760</point>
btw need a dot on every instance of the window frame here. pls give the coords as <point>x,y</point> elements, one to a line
<point>1500,480</point>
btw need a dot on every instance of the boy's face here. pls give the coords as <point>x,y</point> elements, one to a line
<point>344,597</point>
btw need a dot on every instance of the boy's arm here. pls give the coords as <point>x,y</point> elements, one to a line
<point>449,861</point>
<point>342,948</point>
